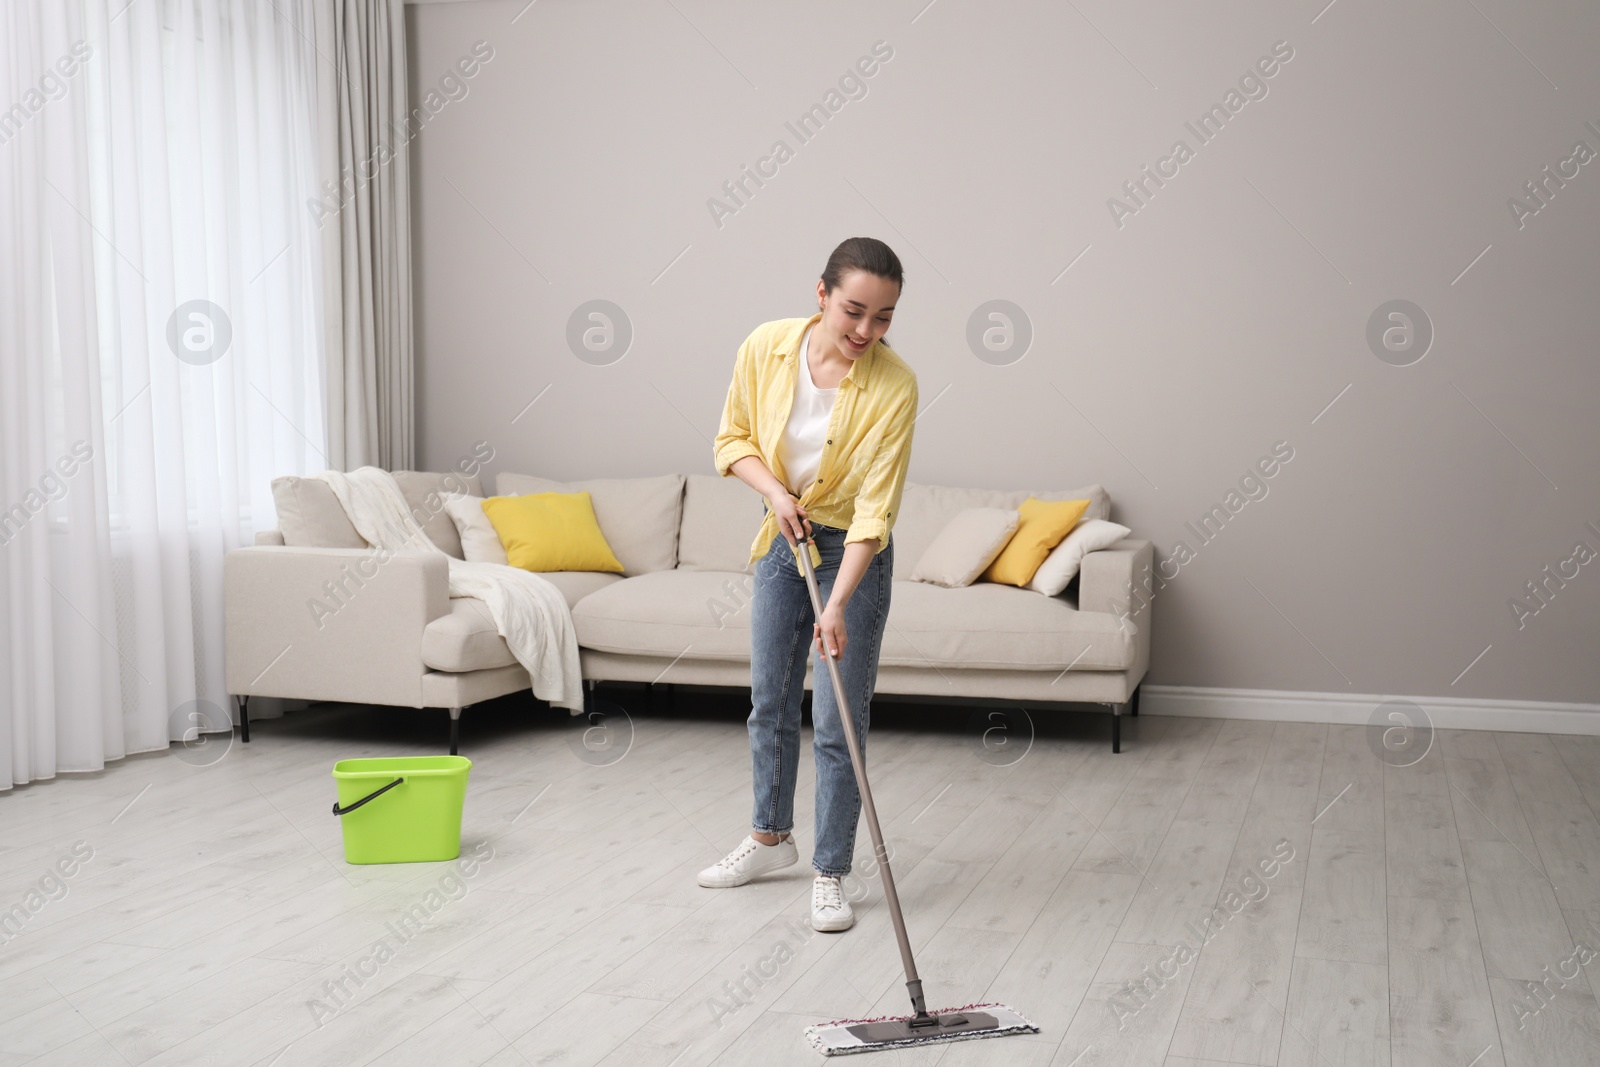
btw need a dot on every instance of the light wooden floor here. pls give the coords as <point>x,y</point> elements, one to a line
<point>217,908</point>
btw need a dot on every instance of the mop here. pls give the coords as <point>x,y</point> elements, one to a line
<point>842,1037</point>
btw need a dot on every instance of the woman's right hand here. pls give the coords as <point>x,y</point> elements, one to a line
<point>792,521</point>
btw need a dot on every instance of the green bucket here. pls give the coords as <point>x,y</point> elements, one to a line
<point>405,809</point>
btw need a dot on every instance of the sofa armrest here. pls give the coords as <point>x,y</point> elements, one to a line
<point>330,623</point>
<point>1114,580</point>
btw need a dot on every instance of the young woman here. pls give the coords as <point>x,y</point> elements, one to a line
<point>818,421</point>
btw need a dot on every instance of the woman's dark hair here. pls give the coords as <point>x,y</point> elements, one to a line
<point>862,253</point>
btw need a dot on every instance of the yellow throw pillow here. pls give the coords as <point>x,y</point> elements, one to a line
<point>1045,523</point>
<point>551,532</point>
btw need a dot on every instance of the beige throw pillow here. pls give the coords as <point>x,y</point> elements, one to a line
<point>1061,565</point>
<point>966,546</point>
<point>479,541</point>
<point>310,515</point>
<point>426,493</point>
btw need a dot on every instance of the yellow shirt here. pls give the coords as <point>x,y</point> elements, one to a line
<point>868,449</point>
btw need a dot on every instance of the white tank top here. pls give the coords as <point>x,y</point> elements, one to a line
<point>807,430</point>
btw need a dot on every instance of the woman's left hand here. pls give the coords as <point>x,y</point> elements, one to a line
<point>829,632</point>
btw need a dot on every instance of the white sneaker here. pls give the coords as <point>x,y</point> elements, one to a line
<point>830,910</point>
<point>748,860</point>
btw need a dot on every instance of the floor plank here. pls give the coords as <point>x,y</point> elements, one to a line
<point>1342,914</point>
<point>1338,1012</point>
<point>1438,993</point>
<point>1234,1008</point>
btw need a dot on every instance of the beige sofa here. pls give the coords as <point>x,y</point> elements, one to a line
<point>325,621</point>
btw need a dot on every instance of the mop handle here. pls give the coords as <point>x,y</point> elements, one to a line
<point>848,721</point>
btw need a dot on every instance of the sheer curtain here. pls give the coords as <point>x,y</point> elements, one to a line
<point>159,353</point>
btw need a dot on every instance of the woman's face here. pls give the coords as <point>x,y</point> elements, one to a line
<point>857,312</point>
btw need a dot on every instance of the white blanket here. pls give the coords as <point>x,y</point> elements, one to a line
<point>529,611</point>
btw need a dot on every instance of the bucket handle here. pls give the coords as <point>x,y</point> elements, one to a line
<point>337,810</point>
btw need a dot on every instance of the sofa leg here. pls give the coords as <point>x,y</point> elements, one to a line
<point>455,731</point>
<point>1116,728</point>
<point>244,719</point>
<point>1133,701</point>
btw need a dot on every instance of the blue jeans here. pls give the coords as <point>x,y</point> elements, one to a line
<point>780,640</point>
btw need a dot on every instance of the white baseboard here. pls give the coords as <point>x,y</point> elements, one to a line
<point>1450,713</point>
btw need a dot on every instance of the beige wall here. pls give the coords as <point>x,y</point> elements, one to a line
<point>1190,336</point>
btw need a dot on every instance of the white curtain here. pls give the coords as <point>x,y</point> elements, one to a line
<point>159,353</point>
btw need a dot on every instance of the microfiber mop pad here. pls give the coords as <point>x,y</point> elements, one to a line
<point>842,1037</point>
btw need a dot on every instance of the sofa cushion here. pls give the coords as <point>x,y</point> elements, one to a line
<point>310,515</point>
<point>425,494</point>
<point>997,627</point>
<point>720,519</point>
<point>706,615</point>
<point>701,614</point>
<point>638,516</point>
<point>927,509</point>
<point>466,638</point>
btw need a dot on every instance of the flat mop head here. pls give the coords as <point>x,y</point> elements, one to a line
<point>845,1036</point>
